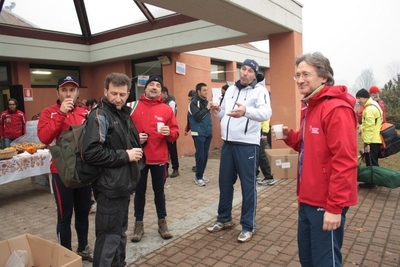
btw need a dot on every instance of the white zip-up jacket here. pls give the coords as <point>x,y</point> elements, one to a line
<point>245,129</point>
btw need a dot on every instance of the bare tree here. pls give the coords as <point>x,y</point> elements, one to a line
<point>393,69</point>
<point>365,80</point>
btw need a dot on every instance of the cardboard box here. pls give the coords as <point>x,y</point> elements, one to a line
<point>41,252</point>
<point>283,162</point>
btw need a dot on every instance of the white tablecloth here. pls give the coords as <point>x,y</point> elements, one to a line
<point>21,167</point>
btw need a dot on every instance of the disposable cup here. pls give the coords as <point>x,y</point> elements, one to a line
<point>159,125</point>
<point>278,131</point>
<point>215,101</point>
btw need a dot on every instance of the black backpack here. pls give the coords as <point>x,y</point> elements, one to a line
<point>66,154</point>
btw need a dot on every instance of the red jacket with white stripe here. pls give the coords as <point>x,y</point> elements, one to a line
<point>52,122</point>
<point>12,124</point>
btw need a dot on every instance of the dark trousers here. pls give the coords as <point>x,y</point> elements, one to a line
<point>157,178</point>
<point>68,201</point>
<point>111,226</point>
<point>317,247</point>
<point>173,155</point>
<point>263,161</point>
<point>238,160</point>
<point>371,158</point>
<point>202,144</point>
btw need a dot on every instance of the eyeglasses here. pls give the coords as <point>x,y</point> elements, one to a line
<point>304,75</point>
<point>12,104</point>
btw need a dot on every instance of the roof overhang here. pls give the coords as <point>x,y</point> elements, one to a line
<point>199,24</point>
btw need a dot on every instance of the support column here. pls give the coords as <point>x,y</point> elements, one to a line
<point>285,99</point>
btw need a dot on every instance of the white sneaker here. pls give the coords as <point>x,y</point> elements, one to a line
<point>199,182</point>
<point>245,236</point>
<point>206,180</point>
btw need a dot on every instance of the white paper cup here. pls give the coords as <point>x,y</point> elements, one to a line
<point>278,131</point>
<point>215,101</point>
<point>159,125</point>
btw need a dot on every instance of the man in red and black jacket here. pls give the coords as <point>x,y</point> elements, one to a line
<point>52,122</point>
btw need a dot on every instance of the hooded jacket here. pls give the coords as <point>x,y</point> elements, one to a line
<point>381,104</point>
<point>12,124</point>
<point>372,118</point>
<point>52,122</point>
<point>109,133</point>
<point>146,113</point>
<point>246,129</point>
<point>329,166</point>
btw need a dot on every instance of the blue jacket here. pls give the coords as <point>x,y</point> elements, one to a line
<point>200,117</point>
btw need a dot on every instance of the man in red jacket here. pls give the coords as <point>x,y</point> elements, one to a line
<point>12,123</point>
<point>156,123</point>
<point>52,122</point>
<point>327,167</point>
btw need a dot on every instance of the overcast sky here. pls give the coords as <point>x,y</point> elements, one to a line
<point>354,35</point>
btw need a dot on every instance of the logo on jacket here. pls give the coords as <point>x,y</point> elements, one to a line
<point>314,130</point>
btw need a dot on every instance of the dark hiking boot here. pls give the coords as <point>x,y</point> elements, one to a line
<point>138,232</point>
<point>174,174</point>
<point>86,254</point>
<point>163,229</point>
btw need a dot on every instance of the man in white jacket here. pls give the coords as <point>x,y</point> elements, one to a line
<point>245,105</point>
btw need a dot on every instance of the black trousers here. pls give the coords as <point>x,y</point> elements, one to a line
<point>173,155</point>
<point>68,201</point>
<point>157,179</point>
<point>371,158</point>
<point>111,226</point>
<point>263,162</point>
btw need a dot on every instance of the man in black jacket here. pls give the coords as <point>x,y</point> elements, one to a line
<point>120,169</point>
<point>172,149</point>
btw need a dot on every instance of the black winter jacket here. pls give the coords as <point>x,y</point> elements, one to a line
<point>105,143</point>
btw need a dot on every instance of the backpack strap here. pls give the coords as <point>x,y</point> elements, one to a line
<point>380,113</point>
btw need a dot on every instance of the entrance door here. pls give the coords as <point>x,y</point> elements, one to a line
<point>11,91</point>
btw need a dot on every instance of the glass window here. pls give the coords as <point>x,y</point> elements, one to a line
<point>61,16</point>
<point>147,66</point>
<point>5,73</point>
<point>104,15</point>
<point>47,76</point>
<point>45,14</point>
<point>218,70</point>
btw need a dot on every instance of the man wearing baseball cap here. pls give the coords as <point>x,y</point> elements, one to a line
<point>245,105</point>
<point>52,122</point>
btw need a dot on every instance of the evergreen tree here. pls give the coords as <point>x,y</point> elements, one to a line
<point>390,94</point>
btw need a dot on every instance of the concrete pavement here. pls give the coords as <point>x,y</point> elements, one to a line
<point>372,232</point>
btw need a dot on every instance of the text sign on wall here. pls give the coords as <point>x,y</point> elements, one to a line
<point>180,68</point>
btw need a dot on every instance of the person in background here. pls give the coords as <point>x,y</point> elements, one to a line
<point>223,90</point>
<point>187,127</point>
<point>246,104</point>
<point>263,162</point>
<point>374,94</point>
<point>327,165</point>
<point>112,142</point>
<point>91,103</point>
<point>172,149</point>
<point>201,130</point>
<point>12,123</point>
<point>157,125</point>
<point>52,122</point>
<point>372,118</point>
